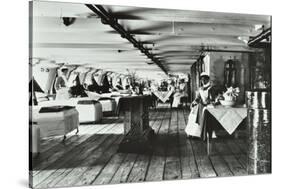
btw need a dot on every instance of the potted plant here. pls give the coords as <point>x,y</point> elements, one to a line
<point>229,96</point>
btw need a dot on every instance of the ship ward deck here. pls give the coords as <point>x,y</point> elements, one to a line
<point>91,157</point>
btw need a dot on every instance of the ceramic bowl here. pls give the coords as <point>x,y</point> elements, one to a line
<point>227,102</point>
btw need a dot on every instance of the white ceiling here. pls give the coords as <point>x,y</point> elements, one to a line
<point>175,37</point>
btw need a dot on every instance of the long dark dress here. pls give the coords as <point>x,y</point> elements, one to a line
<point>104,88</point>
<point>78,91</point>
<point>94,88</point>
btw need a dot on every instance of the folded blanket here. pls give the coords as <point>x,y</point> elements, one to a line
<point>116,96</point>
<point>105,98</point>
<point>85,102</point>
<point>54,109</point>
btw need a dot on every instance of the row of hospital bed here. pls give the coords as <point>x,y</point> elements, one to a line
<point>59,117</point>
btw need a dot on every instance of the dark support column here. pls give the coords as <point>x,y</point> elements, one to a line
<point>137,131</point>
<point>259,130</point>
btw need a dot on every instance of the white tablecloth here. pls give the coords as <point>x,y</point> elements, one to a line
<point>163,95</point>
<point>229,117</point>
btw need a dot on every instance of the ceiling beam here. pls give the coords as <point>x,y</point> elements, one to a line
<point>176,52</point>
<point>54,9</point>
<point>195,48</point>
<point>180,64</point>
<point>170,15</point>
<point>176,56</point>
<point>96,46</point>
<point>187,61</point>
<point>230,51</point>
<point>145,28</point>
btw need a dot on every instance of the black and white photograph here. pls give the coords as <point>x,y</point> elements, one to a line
<point>127,94</point>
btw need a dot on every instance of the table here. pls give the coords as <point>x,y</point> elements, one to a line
<point>163,95</point>
<point>136,124</point>
<point>228,118</point>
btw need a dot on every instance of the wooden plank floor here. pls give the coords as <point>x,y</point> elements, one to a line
<point>91,157</point>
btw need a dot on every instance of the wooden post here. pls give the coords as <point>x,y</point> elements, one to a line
<point>259,130</point>
<point>136,126</point>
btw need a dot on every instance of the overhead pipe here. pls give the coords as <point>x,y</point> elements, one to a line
<point>107,19</point>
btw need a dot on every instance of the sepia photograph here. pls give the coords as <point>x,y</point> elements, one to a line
<point>122,94</point>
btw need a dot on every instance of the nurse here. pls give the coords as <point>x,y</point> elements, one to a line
<point>61,80</point>
<point>204,95</point>
<point>61,86</point>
